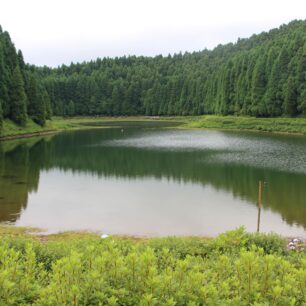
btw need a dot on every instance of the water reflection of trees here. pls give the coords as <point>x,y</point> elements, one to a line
<point>19,175</point>
<point>20,167</point>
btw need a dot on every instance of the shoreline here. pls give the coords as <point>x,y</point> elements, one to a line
<point>10,228</point>
<point>243,130</point>
<point>28,135</point>
<point>296,243</point>
<point>206,122</point>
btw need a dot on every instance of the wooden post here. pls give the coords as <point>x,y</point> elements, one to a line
<point>260,190</point>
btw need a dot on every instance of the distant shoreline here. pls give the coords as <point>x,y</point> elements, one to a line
<point>280,125</point>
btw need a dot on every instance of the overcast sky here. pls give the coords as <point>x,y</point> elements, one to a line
<point>53,32</point>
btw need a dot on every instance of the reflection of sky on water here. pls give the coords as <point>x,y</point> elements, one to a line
<point>228,147</point>
<point>68,201</point>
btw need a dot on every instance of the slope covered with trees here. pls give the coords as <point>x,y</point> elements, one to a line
<point>263,76</point>
<point>260,76</point>
<point>22,95</point>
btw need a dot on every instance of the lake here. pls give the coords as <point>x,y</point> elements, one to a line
<point>151,179</point>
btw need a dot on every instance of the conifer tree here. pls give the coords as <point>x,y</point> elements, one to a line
<point>46,100</point>
<point>18,109</point>
<point>290,102</point>
<point>71,109</point>
<point>1,116</point>
<point>4,81</point>
<point>36,103</point>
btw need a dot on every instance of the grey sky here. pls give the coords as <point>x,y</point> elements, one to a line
<point>53,32</point>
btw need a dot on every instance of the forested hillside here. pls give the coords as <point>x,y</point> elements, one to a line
<point>22,95</point>
<point>260,76</point>
<point>264,75</point>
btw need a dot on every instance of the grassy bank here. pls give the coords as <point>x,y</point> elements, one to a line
<point>280,125</point>
<point>11,130</point>
<point>236,268</point>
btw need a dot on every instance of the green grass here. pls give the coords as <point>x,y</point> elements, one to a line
<point>11,129</point>
<point>283,125</point>
<point>235,268</point>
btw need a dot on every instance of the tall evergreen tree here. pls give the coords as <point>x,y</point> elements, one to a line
<point>18,110</point>
<point>290,102</point>
<point>36,103</point>
<point>71,109</point>
<point>47,102</point>
<point>258,88</point>
<point>1,116</point>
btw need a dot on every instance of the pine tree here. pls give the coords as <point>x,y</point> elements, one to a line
<point>4,82</point>
<point>116,101</point>
<point>47,101</point>
<point>302,102</point>
<point>258,88</point>
<point>71,109</point>
<point>36,104</point>
<point>17,98</point>
<point>1,116</point>
<point>290,102</point>
<point>273,97</point>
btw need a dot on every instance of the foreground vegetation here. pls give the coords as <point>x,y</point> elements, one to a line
<point>236,268</point>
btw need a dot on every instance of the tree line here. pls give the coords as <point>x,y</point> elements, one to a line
<point>22,94</point>
<point>263,75</point>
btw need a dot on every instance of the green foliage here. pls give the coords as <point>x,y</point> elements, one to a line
<point>71,109</point>
<point>22,94</point>
<point>1,116</point>
<point>234,269</point>
<point>284,125</point>
<point>36,104</point>
<point>47,102</point>
<point>17,98</point>
<point>290,101</point>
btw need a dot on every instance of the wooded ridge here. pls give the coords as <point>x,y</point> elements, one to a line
<point>263,76</point>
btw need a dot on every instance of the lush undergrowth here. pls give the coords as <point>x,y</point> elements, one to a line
<point>82,269</point>
<point>56,124</point>
<point>284,125</point>
<point>11,129</point>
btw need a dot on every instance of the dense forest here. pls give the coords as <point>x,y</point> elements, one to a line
<point>22,94</point>
<point>264,75</point>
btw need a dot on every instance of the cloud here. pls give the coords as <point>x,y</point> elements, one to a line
<point>56,32</point>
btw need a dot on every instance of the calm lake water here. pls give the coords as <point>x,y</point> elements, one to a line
<point>142,179</point>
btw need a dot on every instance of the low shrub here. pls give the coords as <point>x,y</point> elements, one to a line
<point>235,268</point>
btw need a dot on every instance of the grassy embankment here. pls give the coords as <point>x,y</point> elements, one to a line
<point>282,125</point>
<point>235,268</point>
<point>11,130</point>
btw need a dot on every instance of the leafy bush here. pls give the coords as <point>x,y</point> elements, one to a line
<point>271,243</point>
<point>236,268</point>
